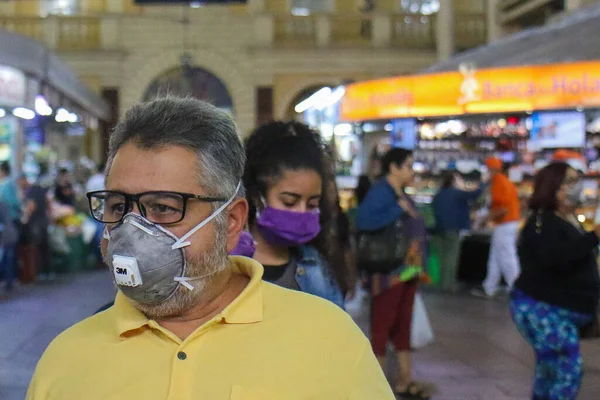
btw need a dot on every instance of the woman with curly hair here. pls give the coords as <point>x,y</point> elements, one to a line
<point>286,179</point>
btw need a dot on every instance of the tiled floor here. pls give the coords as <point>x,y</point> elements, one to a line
<point>477,355</point>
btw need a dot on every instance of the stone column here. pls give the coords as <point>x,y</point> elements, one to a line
<point>115,6</point>
<point>256,6</point>
<point>323,30</point>
<point>445,30</point>
<point>110,32</point>
<point>494,29</point>
<point>381,26</point>
<point>51,31</point>
<point>264,30</point>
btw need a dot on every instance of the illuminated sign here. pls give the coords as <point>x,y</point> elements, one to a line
<point>471,91</point>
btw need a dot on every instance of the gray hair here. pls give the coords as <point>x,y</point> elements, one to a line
<point>192,124</point>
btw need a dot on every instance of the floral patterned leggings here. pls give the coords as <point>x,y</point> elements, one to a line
<point>553,332</point>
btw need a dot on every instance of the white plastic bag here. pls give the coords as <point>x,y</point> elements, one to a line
<point>57,240</point>
<point>88,230</point>
<point>421,333</point>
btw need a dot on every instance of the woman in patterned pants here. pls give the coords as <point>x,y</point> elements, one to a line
<point>557,292</point>
<point>553,332</point>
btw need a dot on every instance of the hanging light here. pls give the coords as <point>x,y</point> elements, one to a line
<point>316,98</point>
<point>2,113</point>
<point>342,129</point>
<point>23,113</point>
<point>42,107</point>
<point>73,118</point>
<point>335,96</point>
<point>62,115</point>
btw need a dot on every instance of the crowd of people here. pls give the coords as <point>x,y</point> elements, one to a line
<point>183,194</point>
<point>43,223</point>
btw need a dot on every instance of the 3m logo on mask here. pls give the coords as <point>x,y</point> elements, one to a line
<point>126,271</point>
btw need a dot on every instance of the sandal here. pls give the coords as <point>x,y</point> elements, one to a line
<point>413,392</point>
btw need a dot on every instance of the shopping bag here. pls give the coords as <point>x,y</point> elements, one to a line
<point>88,230</point>
<point>57,240</point>
<point>421,333</point>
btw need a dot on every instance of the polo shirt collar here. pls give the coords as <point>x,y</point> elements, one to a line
<point>247,308</point>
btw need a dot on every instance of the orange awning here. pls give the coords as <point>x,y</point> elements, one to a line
<point>472,91</point>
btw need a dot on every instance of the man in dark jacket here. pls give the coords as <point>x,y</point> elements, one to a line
<point>34,232</point>
<point>451,207</point>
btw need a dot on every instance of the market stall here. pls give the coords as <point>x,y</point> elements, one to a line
<point>454,120</point>
<point>46,114</point>
<point>42,103</point>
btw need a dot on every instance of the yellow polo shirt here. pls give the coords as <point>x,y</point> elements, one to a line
<point>268,344</point>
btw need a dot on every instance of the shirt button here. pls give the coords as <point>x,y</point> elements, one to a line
<point>181,355</point>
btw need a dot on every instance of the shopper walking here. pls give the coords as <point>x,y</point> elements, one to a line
<point>285,181</point>
<point>393,293</point>
<point>451,208</point>
<point>505,213</point>
<point>557,292</point>
<point>360,192</point>
<point>9,196</point>
<point>34,232</point>
<point>9,237</point>
<point>9,192</point>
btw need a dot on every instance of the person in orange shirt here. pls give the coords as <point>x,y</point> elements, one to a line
<point>505,213</point>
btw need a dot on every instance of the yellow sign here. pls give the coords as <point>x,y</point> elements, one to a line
<point>472,91</point>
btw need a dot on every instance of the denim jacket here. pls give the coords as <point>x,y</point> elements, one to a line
<point>314,278</point>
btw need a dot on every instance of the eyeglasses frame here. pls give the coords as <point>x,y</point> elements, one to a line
<point>135,198</point>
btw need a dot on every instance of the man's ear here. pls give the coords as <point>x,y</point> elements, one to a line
<point>238,217</point>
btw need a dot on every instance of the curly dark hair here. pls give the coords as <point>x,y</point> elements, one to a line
<point>280,146</point>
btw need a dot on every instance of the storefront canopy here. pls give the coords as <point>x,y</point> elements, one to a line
<point>574,38</point>
<point>469,90</point>
<point>37,61</point>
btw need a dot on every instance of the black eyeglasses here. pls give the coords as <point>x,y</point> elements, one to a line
<point>160,207</point>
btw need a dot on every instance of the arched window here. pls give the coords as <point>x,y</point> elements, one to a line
<point>191,81</point>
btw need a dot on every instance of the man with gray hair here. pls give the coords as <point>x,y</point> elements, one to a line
<point>189,322</point>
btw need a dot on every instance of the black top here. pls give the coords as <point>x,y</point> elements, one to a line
<point>558,263</point>
<point>38,195</point>
<point>283,275</point>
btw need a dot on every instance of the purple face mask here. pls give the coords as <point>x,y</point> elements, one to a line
<point>245,246</point>
<point>288,228</point>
